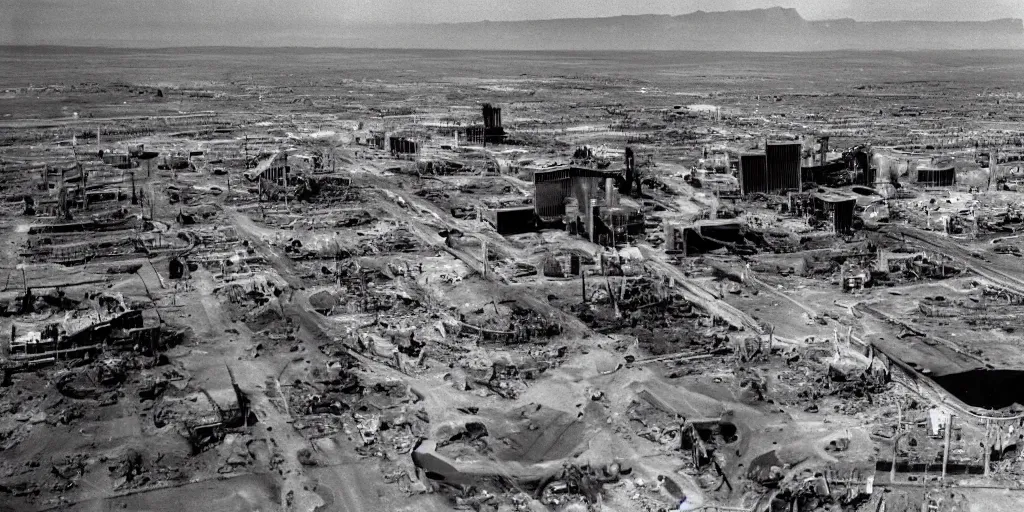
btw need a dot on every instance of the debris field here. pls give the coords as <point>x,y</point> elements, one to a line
<point>393,280</point>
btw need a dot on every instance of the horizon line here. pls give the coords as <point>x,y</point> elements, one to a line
<point>464,50</point>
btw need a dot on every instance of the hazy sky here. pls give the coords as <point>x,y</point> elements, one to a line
<point>227,22</point>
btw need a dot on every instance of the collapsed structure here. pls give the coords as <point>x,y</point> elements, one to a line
<point>492,131</point>
<point>395,294</point>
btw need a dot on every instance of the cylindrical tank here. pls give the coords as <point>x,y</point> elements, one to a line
<point>890,164</point>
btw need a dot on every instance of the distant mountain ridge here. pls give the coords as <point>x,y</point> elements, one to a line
<point>772,29</point>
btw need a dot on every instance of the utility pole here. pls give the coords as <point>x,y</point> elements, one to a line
<point>483,256</point>
<point>896,440</point>
<point>945,449</point>
<point>85,188</point>
<point>987,446</point>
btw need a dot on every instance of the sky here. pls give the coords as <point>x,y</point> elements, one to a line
<point>233,22</point>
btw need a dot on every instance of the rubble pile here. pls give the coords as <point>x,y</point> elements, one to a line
<point>371,293</point>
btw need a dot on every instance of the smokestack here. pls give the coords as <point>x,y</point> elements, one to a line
<point>630,164</point>
<point>591,204</point>
<point>609,192</point>
<point>488,116</point>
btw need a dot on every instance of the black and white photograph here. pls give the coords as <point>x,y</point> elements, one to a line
<point>512,255</point>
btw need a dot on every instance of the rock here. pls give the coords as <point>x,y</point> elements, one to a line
<point>706,481</point>
<point>417,487</point>
<point>37,418</point>
<point>836,374</point>
<point>459,380</point>
<point>305,457</point>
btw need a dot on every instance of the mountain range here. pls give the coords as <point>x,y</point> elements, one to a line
<point>773,29</point>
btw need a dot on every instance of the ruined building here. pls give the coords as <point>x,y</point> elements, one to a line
<point>573,196</point>
<point>492,132</point>
<point>777,170</point>
<point>943,176</point>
